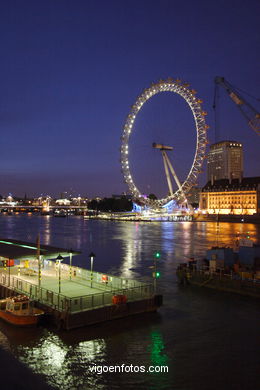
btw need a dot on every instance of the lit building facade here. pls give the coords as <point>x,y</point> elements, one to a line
<point>225,161</point>
<point>231,196</point>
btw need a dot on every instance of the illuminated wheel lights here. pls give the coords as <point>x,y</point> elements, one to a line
<point>194,103</point>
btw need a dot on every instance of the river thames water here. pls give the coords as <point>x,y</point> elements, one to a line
<point>208,340</point>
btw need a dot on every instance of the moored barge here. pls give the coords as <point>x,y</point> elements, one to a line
<point>225,269</point>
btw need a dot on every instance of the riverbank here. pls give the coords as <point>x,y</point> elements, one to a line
<point>227,218</point>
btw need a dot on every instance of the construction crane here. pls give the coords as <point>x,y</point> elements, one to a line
<point>250,113</point>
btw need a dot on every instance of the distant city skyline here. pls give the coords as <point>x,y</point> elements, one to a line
<point>71,71</point>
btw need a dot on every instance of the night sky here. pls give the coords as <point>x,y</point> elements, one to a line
<point>70,71</point>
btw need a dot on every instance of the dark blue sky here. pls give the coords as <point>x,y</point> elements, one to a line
<point>70,70</point>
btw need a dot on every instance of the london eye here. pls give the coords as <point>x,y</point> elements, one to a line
<point>195,105</point>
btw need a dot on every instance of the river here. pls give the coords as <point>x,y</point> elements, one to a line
<point>206,339</point>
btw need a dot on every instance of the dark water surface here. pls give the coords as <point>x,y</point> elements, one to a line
<point>208,340</point>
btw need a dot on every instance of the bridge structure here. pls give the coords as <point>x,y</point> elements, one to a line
<point>41,208</point>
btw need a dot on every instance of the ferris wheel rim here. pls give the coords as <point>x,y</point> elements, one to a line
<point>194,103</point>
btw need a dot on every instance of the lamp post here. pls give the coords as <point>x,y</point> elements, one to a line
<point>156,274</point>
<point>91,256</point>
<point>9,272</point>
<point>39,261</point>
<point>70,262</point>
<point>59,259</point>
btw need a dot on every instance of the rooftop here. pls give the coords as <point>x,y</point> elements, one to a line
<point>23,250</point>
<point>225,143</point>
<point>246,184</point>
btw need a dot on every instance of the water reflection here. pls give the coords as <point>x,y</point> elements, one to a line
<point>226,233</point>
<point>177,242</point>
<point>168,233</point>
<point>160,362</point>
<point>157,349</point>
<point>64,359</point>
<point>132,249</point>
<point>46,231</point>
<point>91,350</point>
<point>129,262</point>
<point>4,341</point>
<point>9,225</point>
<point>60,362</point>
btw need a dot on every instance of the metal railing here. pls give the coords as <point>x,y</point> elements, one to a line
<point>236,280</point>
<point>75,304</point>
<point>87,302</point>
<point>221,274</point>
<point>101,280</point>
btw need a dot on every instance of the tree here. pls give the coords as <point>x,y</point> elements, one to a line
<point>152,196</point>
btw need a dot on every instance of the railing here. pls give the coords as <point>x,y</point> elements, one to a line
<point>221,274</point>
<point>86,302</point>
<point>245,282</point>
<point>100,280</point>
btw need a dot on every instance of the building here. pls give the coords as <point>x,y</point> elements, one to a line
<point>225,161</point>
<point>231,196</point>
<point>194,195</point>
<point>124,196</point>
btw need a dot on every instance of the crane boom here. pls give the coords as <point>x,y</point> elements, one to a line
<point>250,113</point>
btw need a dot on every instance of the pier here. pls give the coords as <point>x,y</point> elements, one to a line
<point>70,296</point>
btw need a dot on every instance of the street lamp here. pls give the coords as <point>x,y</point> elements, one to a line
<point>59,259</point>
<point>39,261</point>
<point>156,274</point>
<point>91,256</point>
<point>70,262</point>
<point>9,272</point>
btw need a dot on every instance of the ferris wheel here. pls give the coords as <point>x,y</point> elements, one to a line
<point>194,103</point>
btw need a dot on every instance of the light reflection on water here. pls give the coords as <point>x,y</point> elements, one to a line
<point>183,335</point>
<point>65,365</point>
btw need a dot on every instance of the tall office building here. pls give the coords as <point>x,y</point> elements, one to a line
<point>225,161</point>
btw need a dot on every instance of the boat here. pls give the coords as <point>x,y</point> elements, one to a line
<point>225,269</point>
<point>19,310</point>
